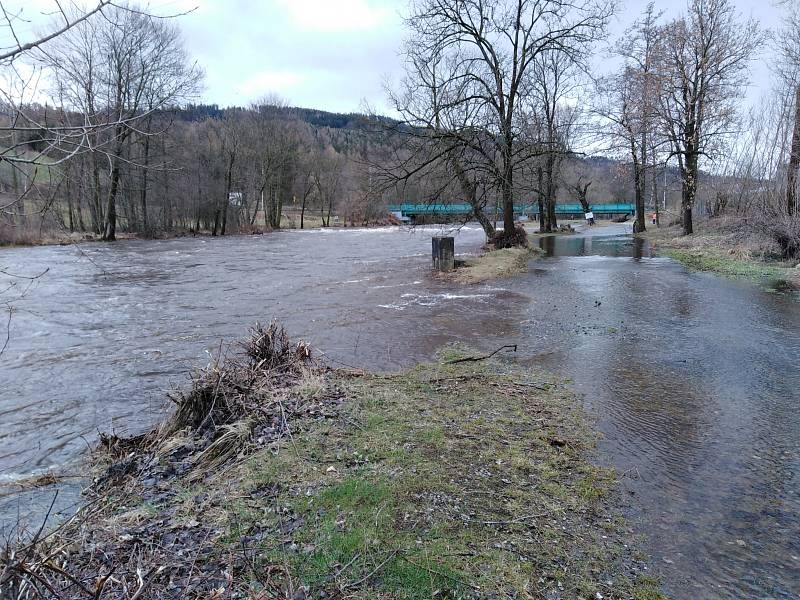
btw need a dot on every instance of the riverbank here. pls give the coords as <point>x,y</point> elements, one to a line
<point>26,239</point>
<point>724,249</point>
<point>278,477</point>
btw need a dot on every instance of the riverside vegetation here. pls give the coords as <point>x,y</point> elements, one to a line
<point>727,248</point>
<point>279,477</point>
<point>493,262</point>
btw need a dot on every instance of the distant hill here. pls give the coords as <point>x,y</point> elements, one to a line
<point>312,116</point>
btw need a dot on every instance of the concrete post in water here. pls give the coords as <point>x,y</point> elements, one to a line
<point>444,254</point>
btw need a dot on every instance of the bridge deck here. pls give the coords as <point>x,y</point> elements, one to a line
<point>410,210</point>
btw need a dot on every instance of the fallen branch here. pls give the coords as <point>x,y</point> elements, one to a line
<point>512,347</point>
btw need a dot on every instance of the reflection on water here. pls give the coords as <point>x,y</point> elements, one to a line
<point>693,379</point>
<point>588,245</point>
<point>690,378</point>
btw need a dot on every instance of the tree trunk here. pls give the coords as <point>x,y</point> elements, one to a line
<point>70,212</point>
<point>303,210</point>
<point>278,208</point>
<point>540,199</point>
<point>794,158</point>
<point>689,193</point>
<point>686,216</point>
<point>96,207</point>
<point>485,223</point>
<point>583,196</point>
<point>654,183</point>
<point>198,199</point>
<point>641,183</point>
<point>110,232</point>
<point>548,192</point>
<point>226,199</point>
<point>143,191</point>
<point>224,218</point>
<point>551,209</point>
<point>508,194</point>
<point>551,192</point>
<point>78,207</point>
<point>638,183</point>
<point>259,203</point>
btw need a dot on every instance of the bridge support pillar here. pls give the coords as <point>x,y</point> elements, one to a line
<point>444,254</point>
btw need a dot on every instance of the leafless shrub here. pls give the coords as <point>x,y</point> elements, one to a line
<point>516,237</point>
<point>783,229</point>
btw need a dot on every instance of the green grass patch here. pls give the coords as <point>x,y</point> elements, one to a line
<point>449,480</point>
<point>734,268</point>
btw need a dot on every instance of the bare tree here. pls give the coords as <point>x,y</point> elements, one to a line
<point>788,46</point>
<point>328,175</point>
<point>703,70</point>
<point>471,108</point>
<point>62,139</point>
<point>305,184</point>
<point>581,190</point>
<point>108,76</point>
<point>627,105</point>
<point>553,113</point>
<point>273,152</point>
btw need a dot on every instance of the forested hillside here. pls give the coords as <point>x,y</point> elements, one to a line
<point>240,169</point>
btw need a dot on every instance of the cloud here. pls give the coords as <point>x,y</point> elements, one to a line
<point>339,16</point>
<point>267,82</point>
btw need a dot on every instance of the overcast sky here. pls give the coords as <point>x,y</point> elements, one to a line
<point>328,54</point>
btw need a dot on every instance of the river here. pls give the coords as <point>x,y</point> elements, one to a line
<point>692,379</point>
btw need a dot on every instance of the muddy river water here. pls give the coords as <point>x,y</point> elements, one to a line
<point>693,379</point>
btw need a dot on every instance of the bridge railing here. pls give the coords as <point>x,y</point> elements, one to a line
<point>410,210</point>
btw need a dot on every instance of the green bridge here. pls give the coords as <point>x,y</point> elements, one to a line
<point>562,210</point>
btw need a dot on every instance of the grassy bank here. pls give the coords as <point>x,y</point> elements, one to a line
<point>491,264</point>
<point>278,478</point>
<point>721,249</point>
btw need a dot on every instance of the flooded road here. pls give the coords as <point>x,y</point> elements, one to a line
<point>693,379</point>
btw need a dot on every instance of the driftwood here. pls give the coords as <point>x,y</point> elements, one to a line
<point>512,347</point>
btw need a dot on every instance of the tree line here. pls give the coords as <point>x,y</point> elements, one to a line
<point>123,147</point>
<point>505,94</point>
<point>500,104</point>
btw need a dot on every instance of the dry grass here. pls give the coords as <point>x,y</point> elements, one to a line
<point>728,247</point>
<point>730,236</point>
<point>491,264</point>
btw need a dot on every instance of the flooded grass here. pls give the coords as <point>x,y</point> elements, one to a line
<point>446,480</point>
